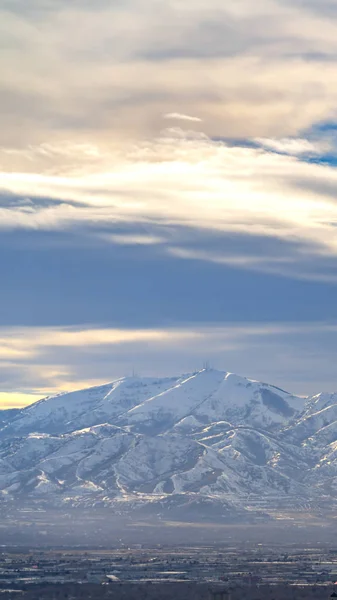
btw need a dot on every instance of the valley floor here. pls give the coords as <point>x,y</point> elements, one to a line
<point>169,591</point>
<point>234,568</point>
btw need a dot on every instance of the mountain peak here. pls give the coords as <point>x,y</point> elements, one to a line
<point>144,440</point>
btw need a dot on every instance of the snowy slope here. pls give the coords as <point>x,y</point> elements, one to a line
<point>7,415</point>
<point>69,411</point>
<point>205,439</point>
<point>211,395</point>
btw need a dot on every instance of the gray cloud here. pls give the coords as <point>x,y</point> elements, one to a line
<point>327,8</point>
<point>91,72</point>
<point>104,214</point>
<point>281,354</point>
<point>186,181</point>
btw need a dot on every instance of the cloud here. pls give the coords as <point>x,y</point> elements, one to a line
<point>15,345</point>
<point>300,357</point>
<point>188,180</point>
<point>105,216</point>
<point>15,400</point>
<point>109,71</point>
<point>131,239</point>
<point>180,117</point>
<point>294,266</point>
<point>293,146</point>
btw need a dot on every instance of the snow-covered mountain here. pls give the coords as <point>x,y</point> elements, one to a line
<point>209,441</point>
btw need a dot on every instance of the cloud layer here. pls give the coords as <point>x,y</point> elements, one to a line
<point>41,361</point>
<point>188,180</point>
<point>109,71</point>
<point>165,170</point>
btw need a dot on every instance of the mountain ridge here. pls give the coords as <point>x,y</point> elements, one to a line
<point>208,439</point>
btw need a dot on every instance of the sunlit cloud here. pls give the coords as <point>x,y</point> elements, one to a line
<point>65,359</point>
<point>293,146</point>
<point>35,339</point>
<point>85,90</point>
<point>132,240</point>
<point>16,400</point>
<point>180,117</point>
<point>189,180</point>
<point>110,71</point>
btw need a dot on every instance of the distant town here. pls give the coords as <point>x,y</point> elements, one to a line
<point>217,572</point>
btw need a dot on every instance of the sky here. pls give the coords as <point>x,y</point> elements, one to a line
<point>168,192</point>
